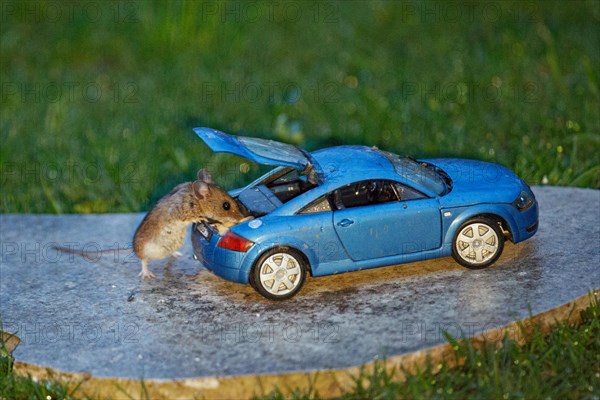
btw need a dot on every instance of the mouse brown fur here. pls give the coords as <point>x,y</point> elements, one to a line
<point>162,231</point>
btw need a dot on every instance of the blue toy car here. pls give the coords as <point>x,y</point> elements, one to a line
<point>348,208</point>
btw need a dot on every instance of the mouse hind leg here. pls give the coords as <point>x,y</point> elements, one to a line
<point>145,273</point>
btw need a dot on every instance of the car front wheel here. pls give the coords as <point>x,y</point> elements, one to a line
<point>478,243</point>
<point>279,273</point>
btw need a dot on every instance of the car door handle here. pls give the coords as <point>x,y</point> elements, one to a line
<point>345,222</point>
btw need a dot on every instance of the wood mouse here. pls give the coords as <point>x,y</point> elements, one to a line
<point>162,231</point>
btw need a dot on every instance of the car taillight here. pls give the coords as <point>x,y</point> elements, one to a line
<point>234,242</point>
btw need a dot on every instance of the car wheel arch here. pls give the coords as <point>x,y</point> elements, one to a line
<point>507,224</point>
<point>504,226</point>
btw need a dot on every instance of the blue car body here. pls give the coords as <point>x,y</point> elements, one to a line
<point>441,195</point>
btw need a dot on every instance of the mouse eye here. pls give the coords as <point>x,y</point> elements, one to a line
<point>226,206</point>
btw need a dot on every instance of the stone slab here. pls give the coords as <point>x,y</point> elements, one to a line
<point>96,316</point>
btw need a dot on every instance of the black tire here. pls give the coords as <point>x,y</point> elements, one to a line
<point>478,243</point>
<point>268,263</point>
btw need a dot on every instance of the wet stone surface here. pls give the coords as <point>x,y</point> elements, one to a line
<point>96,316</point>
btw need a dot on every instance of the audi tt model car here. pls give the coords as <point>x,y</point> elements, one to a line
<point>348,208</point>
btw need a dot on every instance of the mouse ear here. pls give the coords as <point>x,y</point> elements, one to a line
<point>204,176</point>
<point>200,189</point>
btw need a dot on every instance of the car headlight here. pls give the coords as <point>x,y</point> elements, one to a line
<point>524,200</point>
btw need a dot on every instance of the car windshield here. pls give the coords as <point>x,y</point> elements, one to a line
<point>417,173</point>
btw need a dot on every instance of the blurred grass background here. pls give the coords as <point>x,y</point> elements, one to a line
<point>98,98</point>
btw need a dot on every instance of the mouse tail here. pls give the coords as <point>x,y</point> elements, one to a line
<point>87,253</point>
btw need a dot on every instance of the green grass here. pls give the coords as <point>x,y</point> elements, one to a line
<point>98,99</point>
<point>17,388</point>
<point>564,364</point>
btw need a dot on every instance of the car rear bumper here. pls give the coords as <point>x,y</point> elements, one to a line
<point>224,263</point>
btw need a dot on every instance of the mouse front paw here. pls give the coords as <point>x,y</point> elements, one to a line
<point>222,229</point>
<point>176,254</point>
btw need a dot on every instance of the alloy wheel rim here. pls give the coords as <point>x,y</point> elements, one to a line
<point>280,274</point>
<point>477,243</point>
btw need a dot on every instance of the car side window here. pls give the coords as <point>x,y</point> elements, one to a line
<point>364,193</point>
<point>319,205</point>
<point>407,193</point>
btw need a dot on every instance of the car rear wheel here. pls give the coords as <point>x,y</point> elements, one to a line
<point>279,273</point>
<point>478,243</point>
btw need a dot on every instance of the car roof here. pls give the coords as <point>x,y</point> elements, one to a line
<point>342,165</point>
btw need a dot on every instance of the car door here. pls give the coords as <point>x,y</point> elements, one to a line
<point>315,228</point>
<point>379,218</point>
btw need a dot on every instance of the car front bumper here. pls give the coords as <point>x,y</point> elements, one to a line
<point>527,222</point>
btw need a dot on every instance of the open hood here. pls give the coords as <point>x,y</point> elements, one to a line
<point>261,151</point>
